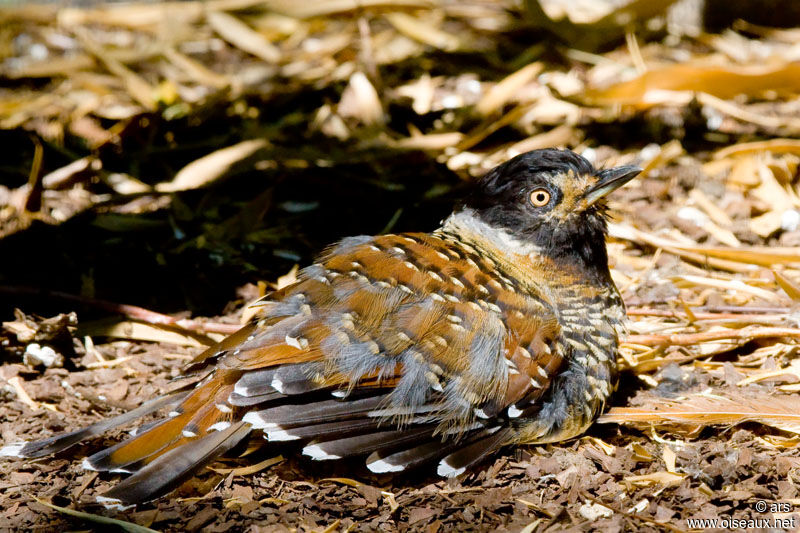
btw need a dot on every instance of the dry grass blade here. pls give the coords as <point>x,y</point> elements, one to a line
<point>138,331</point>
<point>243,36</point>
<point>494,99</point>
<point>688,339</point>
<point>138,88</point>
<point>196,70</point>
<point>781,412</point>
<point>432,141</point>
<point>791,146</point>
<point>208,168</point>
<point>788,286</point>
<point>728,285</point>
<point>753,255</point>
<point>148,16</point>
<point>424,32</point>
<point>320,8</point>
<point>49,68</point>
<point>788,125</point>
<point>250,469</point>
<point>97,519</point>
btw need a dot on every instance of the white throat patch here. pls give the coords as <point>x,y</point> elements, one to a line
<point>467,222</point>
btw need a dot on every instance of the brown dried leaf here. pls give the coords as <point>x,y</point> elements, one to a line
<point>361,102</point>
<point>243,36</point>
<point>665,479</point>
<point>667,84</point>
<point>208,168</point>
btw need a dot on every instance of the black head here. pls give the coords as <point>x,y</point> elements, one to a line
<point>553,199</point>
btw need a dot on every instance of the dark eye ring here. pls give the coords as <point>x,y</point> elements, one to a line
<point>540,198</point>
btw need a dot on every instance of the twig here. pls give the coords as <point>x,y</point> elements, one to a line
<point>131,311</point>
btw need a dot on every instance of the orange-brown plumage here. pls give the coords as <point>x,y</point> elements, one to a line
<point>498,328</point>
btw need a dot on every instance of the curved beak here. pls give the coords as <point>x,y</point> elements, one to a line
<point>609,180</point>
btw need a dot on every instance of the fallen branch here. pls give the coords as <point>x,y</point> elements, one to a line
<point>130,311</point>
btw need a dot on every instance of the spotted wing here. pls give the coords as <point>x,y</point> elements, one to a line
<point>414,336</point>
<point>409,348</point>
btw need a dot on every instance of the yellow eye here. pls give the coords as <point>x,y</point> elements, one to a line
<point>540,197</point>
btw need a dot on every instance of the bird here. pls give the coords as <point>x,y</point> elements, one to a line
<point>499,328</point>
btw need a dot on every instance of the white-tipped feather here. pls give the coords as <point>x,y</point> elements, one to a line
<point>298,342</point>
<point>318,454</point>
<point>87,465</point>
<point>280,435</point>
<point>219,426</point>
<point>113,504</point>
<point>222,408</point>
<point>513,412</point>
<point>12,450</point>
<point>381,467</point>
<point>255,420</point>
<point>277,384</point>
<point>240,389</point>
<point>188,434</point>
<point>445,470</point>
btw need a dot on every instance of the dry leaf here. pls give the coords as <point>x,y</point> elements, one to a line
<point>243,36</point>
<point>208,168</point>
<point>666,479</point>
<point>138,331</point>
<point>677,83</point>
<point>423,32</point>
<point>360,101</point>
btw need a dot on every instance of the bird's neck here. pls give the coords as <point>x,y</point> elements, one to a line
<point>581,259</point>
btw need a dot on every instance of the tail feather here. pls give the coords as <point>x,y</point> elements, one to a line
<point>380,463</point>
<point>171,469</point>
<point>193,416</point>
<point>364,444</point>
<point>255,383</point>
<point>330,430</point>
<point>296,415</point>
<point>55,444</point>
<point>246,401</point>
<point>457,462</point>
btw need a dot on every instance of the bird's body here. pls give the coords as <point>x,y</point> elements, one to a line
<point>501,327</point>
